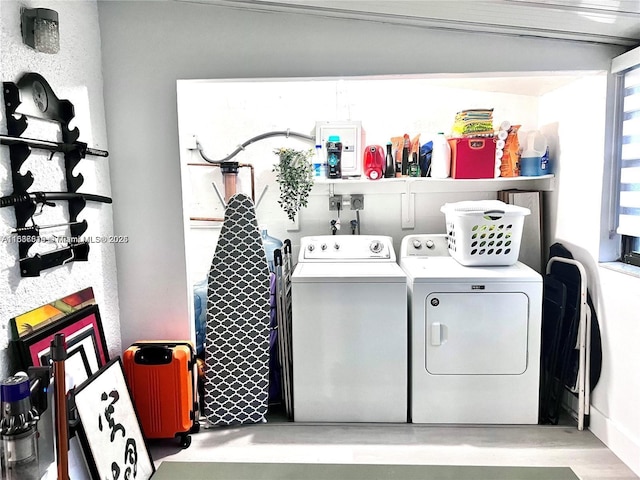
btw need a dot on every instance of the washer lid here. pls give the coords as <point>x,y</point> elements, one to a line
<point>348,272</point>
<point>447,269</point>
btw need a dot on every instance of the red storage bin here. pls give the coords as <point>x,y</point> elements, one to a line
<point>473,157</point>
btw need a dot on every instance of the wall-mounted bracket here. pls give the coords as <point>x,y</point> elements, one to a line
<point>18,154</point>
<point>32,96</point>
<point>357,201</point>
<point>32,266</point>
<point>408,210</point>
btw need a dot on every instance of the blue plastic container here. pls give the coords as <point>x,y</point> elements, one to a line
<point>270,245</point>
<point>531,167</point>
<point>535,166</point>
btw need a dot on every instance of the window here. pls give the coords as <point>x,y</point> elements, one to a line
<point>629,161</point>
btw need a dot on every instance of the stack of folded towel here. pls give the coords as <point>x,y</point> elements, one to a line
<point>474,123</point>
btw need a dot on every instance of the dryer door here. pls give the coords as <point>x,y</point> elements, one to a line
<point>482,333</point>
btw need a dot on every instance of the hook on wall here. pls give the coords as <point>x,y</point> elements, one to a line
<point>32,266</point>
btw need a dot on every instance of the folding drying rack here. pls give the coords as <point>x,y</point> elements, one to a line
<point>283,269</point>
<point>557,370</point>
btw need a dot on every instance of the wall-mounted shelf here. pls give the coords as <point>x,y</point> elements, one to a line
<point>324,186</point>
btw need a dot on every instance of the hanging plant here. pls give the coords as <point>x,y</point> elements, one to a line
<point>294,174</point>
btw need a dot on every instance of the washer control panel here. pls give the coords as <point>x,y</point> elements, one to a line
<point>346,248</point>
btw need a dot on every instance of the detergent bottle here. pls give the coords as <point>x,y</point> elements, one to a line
<point>441,157</point>
<point>334,157</point>
<point>534,148</point>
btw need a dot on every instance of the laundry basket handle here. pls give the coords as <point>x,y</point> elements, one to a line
<point>494,214</point>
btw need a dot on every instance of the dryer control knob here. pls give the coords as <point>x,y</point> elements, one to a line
<point>430,244</point>
<point>310,247</point>
<point>417,244</point>
<point>336,246</point>
<point>376,246</point>
<point>323,247</point>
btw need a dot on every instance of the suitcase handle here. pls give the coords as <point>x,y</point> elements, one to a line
<point>153,355</point>
<point>165,343</point>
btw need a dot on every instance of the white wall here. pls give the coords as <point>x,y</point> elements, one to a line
<point>244,109</point>
<point>614,414</point>
<point>147,46</point>
<point>579,207</point>
<point>579,182</point>
<point>75,74</point>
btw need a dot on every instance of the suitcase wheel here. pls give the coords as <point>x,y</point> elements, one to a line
<point>185,441</point>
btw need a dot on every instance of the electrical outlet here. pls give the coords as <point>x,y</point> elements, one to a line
<point>335,202</point>
<point>357,202</point>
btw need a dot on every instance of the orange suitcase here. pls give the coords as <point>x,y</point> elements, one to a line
<point>162,378</point>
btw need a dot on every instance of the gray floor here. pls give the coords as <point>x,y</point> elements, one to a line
<point>402,444</point>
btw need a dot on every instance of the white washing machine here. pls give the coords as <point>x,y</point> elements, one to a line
<point>474,337</point>
<point>350,331</point>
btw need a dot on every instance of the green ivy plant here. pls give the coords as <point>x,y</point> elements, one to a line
<point>294,174</point>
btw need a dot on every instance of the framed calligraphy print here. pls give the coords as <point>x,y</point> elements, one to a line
<point>109,428</point>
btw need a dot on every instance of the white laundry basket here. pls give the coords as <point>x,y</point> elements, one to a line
<point>484,232</point>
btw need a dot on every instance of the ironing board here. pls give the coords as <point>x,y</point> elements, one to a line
<point>237,330</point>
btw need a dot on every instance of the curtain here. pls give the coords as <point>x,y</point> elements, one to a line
<point>629,201</point>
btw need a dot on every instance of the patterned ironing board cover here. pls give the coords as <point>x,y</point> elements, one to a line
<point>237,331</point>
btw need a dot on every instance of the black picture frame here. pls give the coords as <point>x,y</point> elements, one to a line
<point>77,365</point>
<point>33,349</point>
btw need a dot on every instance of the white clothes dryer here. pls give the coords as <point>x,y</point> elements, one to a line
<point>474,337</point>
<point>349,331</point>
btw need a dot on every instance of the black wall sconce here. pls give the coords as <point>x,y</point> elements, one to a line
<point>40,29</point>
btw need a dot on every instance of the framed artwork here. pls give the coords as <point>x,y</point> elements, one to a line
<point>77,365</point>
<point>38,318</point>
<point>82,330</point>
<point>109,428</point>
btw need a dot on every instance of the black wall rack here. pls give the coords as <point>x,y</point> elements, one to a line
<point>35,97</point>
